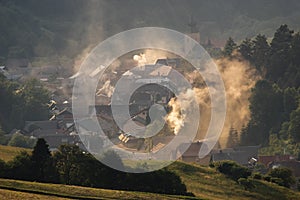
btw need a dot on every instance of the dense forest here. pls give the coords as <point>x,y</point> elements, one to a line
<point>22,102</point>
<point>59,30</point>
<point>274,102</point>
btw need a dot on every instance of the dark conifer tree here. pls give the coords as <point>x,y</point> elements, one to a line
<point>229,47</point>
<point>42,163</point>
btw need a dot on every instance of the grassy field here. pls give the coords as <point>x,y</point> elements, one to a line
<point>76,192</point>
<point>7,153</point>
<point>207,183</point>
<point>16,195</point>
<point>203,182</point>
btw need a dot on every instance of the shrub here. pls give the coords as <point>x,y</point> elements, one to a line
<point>248,185</point>
<point>4,139</point>
<point>211,164</point>
<point>278,181</point>
<point>19,140</point>
<point>160,181</point>
<point>112,158</point>
<point>20,167</point>
<point>284,174</point>
<point>3,169</point>
<point>257,176</point>
<point>233,170</point>
<point>267,178</point>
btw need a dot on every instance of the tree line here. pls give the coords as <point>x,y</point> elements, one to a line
<point>22,102</point>
<point>274,102</point>
<point>72,166</point>
<point>244,176</point>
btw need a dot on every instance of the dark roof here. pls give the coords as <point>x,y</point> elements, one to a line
<point>92,125</point>
<point>252,149</point>
<point>64,111</point>
<point>56,140</point>
<point>17,62</point>
<point>174,62</point>
<point>189,150</point>
<point>140,120</point>
<point>105,110</point>
<point>42,133</point>
<point>89,124</point>
<point>44,125</point>
<point>240,155</point>
<point>14,131</point>
<point>161,71</point>
<point>141,97</point>
<point>220,156</point>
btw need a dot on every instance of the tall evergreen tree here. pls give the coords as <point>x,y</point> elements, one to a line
<point>280,53</point>
<point>261,51</point>
<point>229,47</point>
<point>42,163</point>
<point>36,98</point>
<point>295,50</point>
<point>294,125</point>
<point>246,49</point>
<point>266,107</point>
<point>292,75</point>
<point>290,101</point>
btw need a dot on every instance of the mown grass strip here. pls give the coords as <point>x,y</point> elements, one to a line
<point>77,192</point>
<point>50,193</point>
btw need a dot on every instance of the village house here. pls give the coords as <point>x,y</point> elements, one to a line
<point>172,62</point>
<point>241,155</point>
<point>266,160</point>
<point>293,165</point>
<point>287,161</point>
<point>90,135</point>
<point>17,68</point>
<point>59,130</point>
<point>189,152</point>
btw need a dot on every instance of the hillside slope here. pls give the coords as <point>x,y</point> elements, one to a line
<point>76,192</point>
<point>7,153</point>
<point>207,183</point>
<point>60,28</point>
<point>203,182</point>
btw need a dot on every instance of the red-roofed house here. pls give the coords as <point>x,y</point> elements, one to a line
<point>266,160</point>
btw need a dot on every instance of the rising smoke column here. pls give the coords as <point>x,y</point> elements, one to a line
<point>239,77</point>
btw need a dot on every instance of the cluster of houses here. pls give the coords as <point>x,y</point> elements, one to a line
<point>60,128</point>
<point>244,155</point>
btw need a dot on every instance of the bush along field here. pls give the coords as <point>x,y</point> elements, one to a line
<point>62,175</point>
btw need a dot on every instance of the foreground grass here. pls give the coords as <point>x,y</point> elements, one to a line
<point>76,192</point>
<point>207,183</point>
<point>7,153</point>
<point>203,182</point>
<point>16,195</point>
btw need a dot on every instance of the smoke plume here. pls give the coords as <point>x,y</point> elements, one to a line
<point>149,56</point>
<point>106,90</point>
<point>239,77</point>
